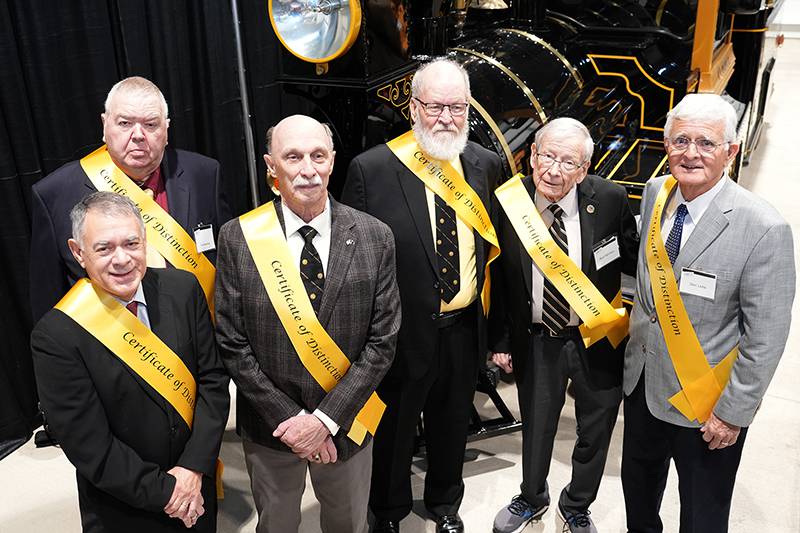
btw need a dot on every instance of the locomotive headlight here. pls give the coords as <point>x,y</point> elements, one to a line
<point>316,31</point>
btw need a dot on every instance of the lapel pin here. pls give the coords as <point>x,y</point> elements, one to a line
<point>349,242</point>
<point>590,209</point>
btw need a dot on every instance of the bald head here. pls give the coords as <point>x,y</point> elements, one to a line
<point>300,161</point>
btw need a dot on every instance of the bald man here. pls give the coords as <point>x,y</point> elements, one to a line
<point>290,274</point>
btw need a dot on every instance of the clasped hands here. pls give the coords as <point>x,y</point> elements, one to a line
<point>308,438</point>
<point>186,502</point>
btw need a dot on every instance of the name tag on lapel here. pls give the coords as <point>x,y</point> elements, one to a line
<point>698,283</point>
<point>204,238</point>
<point>605,251</point>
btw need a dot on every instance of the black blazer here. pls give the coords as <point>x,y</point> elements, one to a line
<point>194,195</point>
<point>120,434</point>
<point>510,319</point>
<point>379,184</point>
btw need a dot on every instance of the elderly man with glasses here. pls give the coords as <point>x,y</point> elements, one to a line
<point>715,284</point>
<point>432,187</point>
<point>556,315</point>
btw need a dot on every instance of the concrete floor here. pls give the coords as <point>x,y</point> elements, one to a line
<point>37,486</point>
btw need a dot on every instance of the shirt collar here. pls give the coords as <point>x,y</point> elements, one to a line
<point>321,222</point>
<point>138,297</point>
<point>569,203</point>
<point>698,206</point>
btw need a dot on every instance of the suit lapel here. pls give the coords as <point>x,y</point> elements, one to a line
<point>177,191</point>
<point>473,173</point>
<point>343,246</point>
<point>586,215</point>
<point>162,325</point>
<point>711,225</point>
<point>414,192</point>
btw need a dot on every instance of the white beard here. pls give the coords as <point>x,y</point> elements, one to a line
<point>441,145</point>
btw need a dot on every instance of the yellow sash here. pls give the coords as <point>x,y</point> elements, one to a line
<point>702,385</point>
<point>450,185</point>
<point>168,237</point>
<point>600,318</point>
<point>319,354</point>
<point>108,321</point>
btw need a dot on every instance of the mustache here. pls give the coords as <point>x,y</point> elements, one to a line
<point>301,181</point>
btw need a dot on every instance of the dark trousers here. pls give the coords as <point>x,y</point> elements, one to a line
<point>444,397</point>
<point>541,382</point>
<point>705,477</point>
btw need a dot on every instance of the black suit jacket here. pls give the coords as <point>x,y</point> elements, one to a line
<point>120,434</point>
<point>194,196</point>
<point>359,310</point>
<point>379,184</point>
<point>510,320</point>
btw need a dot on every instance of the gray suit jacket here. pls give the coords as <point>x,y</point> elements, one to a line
<point>360,310</point>
<point>748,246</point>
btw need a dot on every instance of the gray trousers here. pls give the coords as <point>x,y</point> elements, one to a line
<point>278,480</point>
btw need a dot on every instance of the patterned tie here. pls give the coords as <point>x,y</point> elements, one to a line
<point>673,244</point>
<point>446,250</point>
<point>555,309</point>
<point>311,268</point>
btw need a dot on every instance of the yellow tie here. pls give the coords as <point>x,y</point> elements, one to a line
<point>154,259</point>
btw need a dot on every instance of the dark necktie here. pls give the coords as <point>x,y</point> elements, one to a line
<point>447,250</point>
<point>555,309</point>
<point>133,307</point>
<point>673,244</point>
<point>311,268</point>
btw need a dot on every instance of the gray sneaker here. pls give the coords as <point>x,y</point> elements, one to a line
<point>576,521</point>
<point>516,515</point>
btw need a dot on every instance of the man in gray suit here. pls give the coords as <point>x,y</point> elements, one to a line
<point>307,320</point>
<point>715,285</point>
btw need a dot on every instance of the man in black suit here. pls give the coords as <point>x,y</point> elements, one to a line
<point>185,184</point>
<point>442,339</point>
<point>533,321</point>
<point>145,454</point>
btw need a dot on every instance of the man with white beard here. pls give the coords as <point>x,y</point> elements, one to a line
<point>432,187</point>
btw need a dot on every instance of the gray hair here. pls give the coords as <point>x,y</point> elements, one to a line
<point>271,132</point>
<point>705,108</point>
<point>564,128</point>
<point>136,85</point>
<point>106,203</point>
<point>419,76</point>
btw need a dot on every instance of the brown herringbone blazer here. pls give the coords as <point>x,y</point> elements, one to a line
<point>360,310</point>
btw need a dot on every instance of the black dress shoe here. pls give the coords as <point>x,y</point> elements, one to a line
<point>449,523</point>
<point>386,526</point>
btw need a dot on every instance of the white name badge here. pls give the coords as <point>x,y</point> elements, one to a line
<point>606,251</point>
<point>698,283</point>
<point>204,238</point>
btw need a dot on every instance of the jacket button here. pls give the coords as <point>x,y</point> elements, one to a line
<point>173,430</point>
<point>435,284</point>
<point>653,318</point>
<point>434,316</point>
<point>529,303</point>
<point>530,331</point>
<point>644,349</point>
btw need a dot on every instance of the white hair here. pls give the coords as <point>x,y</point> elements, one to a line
<point>705,108</point>
<point>567,128</point>
<point>138,86</point>
<point>419,76</point>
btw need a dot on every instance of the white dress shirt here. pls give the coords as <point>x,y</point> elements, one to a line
<point>322,242</point>
<point>141,308</point>
<point>695,210</point>
<point>572,225</point>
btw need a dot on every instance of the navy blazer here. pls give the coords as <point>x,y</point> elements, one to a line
<point>194,195</point>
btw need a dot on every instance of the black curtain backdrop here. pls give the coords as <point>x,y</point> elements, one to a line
<point>58,59</point>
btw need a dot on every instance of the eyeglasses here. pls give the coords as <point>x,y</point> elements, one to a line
<point>681,144</point>
<point>567,166</point>
<point>435,109</point>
